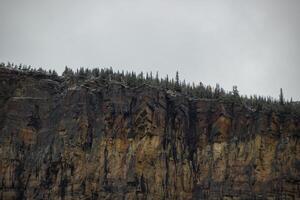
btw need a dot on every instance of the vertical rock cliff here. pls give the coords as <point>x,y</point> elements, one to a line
<point>62,139</point>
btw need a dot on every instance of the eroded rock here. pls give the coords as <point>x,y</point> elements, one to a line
<point>92,141</point>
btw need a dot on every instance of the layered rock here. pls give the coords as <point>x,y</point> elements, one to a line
<point>62,139</point>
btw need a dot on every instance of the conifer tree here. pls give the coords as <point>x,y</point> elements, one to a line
<point>96,72</point>
<point>217,91</point>
<point>157,79</point>
<point>281,98</point>
<point>235,91</point>
<point>177,84</point>
<point>67,72</point>
<point>167,82</point>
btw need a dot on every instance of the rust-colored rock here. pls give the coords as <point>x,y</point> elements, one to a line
<point>87,140</point>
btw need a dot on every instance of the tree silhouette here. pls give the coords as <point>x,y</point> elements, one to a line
<point>177,84</point>
<point>235,91</point>
<point>281,98</point>
<point>130,79</point>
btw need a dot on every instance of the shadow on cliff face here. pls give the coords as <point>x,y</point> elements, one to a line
<point>92,139</point>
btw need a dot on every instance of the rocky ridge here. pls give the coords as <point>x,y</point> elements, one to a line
<point>63,139</point>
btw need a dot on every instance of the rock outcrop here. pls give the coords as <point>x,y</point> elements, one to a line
<point>88,140</point>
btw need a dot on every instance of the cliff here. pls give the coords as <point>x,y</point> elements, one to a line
<point>64,139</point>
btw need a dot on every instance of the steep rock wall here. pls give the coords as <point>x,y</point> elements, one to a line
<point>88,140</point>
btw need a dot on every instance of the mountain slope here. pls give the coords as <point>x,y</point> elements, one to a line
<point>62,139</point>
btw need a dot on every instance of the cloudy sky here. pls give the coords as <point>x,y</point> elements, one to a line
<point>253,44</point>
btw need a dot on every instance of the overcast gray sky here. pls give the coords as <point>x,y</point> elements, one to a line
<point>254,44</point>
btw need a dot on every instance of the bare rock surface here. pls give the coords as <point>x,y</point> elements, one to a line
<point>88,140</point>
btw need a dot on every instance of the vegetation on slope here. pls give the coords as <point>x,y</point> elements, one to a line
<point>194,91</point>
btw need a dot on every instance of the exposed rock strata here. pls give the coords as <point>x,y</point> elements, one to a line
<point>89,140</point>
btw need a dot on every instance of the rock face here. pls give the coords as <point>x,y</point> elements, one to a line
<point>87,140</point>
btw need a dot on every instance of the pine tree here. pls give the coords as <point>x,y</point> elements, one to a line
<point>217,91</point>
<point>177,84</point>
<point>67,72</point>
<point>54,73</point>
<point>96,72</point>
<point>81,72</point>
<point>167,82</point>
<point>235,91</point>
<point>281,98</point>
<point>157,79</point>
